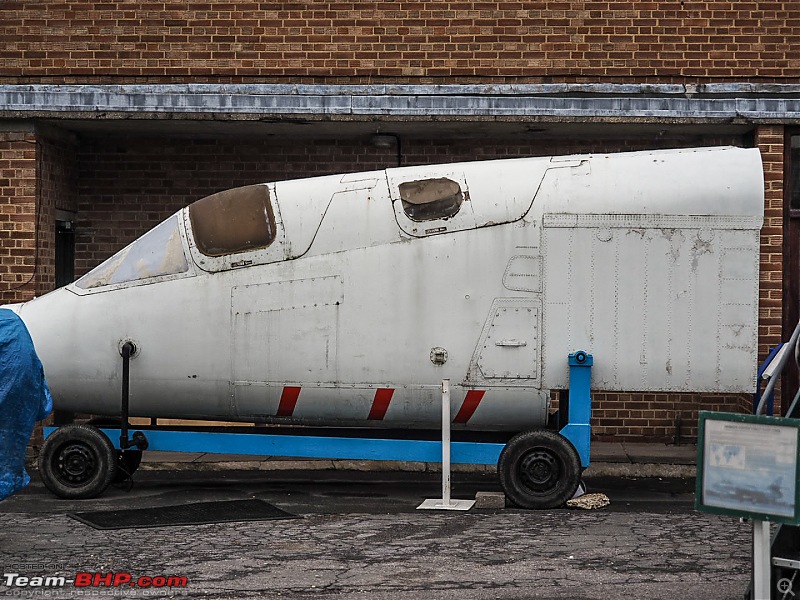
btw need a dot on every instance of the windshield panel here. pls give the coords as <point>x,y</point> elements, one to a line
<point>158,252</point>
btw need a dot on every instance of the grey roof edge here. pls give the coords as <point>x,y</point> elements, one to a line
<point>738,101</point>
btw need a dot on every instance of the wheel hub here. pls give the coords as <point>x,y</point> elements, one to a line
<point>539,470</point>
<point>75,464</point>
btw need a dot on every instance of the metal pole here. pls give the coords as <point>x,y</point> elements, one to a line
<point>782,360</point>
<point>127,351</point>
<point>446,442</point>
<point>761,560</point>
<point>445,502</point>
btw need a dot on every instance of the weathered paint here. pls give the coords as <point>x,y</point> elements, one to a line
<point>649,102</point>
<point>647,260</point>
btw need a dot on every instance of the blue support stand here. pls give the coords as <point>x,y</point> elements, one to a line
<point>578,429</point>
<point>302,446</point>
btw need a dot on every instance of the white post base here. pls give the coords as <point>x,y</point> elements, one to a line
<point>445,502</point>
<point>761,560</point>
<point>442,504</point>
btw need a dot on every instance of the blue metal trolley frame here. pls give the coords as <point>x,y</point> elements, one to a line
<point>577,431</point>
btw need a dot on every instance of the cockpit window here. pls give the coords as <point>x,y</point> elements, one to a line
<point>158,252</point>
<point>233,221</point>
<point>430,199</point>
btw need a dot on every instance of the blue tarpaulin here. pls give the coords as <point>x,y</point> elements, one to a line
<point>24,399</point>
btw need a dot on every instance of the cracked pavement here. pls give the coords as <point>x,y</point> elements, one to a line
<point>359,536</point>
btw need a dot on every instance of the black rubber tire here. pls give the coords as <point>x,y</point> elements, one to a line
<point>77,461</point>
<point>127,461</point>
<point>539,469</point>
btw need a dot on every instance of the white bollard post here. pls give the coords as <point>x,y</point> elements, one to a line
<point>445,502</point>
<point>446,442</point>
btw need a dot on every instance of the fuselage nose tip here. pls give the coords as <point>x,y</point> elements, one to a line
<point>13,307</point>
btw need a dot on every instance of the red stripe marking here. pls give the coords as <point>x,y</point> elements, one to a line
<point>383,396</point>
<point>470,405</point>
<point>288,401</point>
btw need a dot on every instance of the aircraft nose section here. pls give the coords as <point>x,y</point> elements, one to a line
<point>13,307</point>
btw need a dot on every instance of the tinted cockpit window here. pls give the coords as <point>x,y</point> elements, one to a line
<point>158,252</point>
<point>233,221</point>
<point>431,199</point>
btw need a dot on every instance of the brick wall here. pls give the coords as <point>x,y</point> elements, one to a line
<point>18,213</point>
<point>365,41</point>
<point>37,175</point>
<point>770,140</point>
<point>59,170</point>
<point>658,417</point>
<point>57,184</point>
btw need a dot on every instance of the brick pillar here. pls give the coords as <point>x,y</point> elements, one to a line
<point>770,140</point>
<point>18,212</point>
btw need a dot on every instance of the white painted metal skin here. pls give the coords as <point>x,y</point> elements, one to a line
<point>647,260</point>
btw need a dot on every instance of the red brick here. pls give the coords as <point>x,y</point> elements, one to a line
<point>170,42</point>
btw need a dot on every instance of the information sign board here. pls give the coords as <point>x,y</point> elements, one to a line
<point>747,466</point>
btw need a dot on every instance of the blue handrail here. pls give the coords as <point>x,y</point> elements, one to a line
<point>783,359</point>
<point>761,369</point>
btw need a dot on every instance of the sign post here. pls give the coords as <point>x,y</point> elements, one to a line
<point>446,502</point>
<point>747,466</point>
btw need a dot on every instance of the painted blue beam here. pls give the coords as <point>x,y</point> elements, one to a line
<point>298,446</point>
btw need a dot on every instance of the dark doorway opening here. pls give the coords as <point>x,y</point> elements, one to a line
<point>65,253</point>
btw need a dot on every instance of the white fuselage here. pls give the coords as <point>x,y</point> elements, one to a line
<point>355,312</point>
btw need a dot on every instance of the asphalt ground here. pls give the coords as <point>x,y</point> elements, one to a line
<point>359,535</point>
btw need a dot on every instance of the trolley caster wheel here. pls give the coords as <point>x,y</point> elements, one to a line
<point>127,460</point>
<point>539,469</point>
<point>77,461</point>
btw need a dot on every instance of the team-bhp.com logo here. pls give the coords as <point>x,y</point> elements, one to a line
<point>18,582</point>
